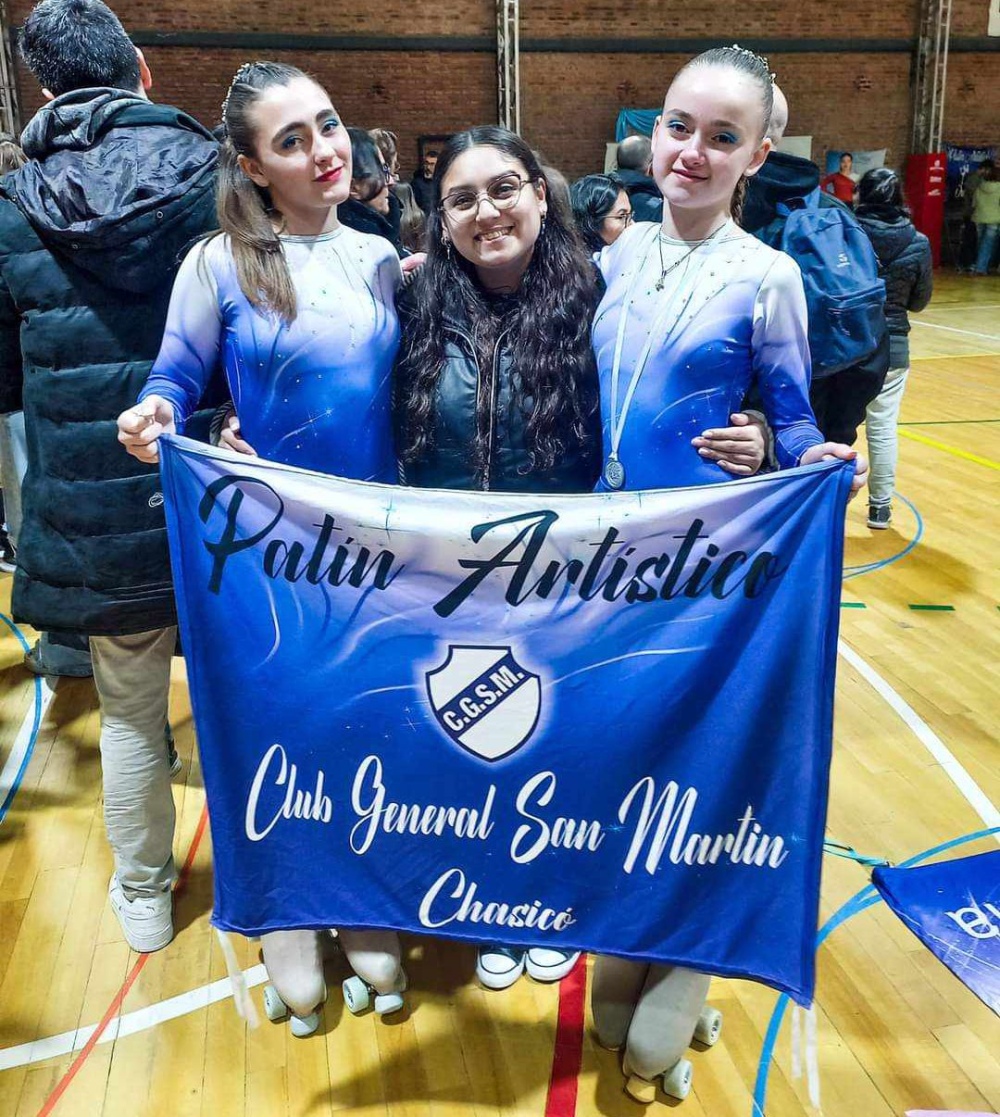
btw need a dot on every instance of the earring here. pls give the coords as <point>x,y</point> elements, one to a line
<point>446,241</point>
<point>541,228</point>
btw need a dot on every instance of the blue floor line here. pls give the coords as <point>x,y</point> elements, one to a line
<point>5,805</point>
<point>861,901</point>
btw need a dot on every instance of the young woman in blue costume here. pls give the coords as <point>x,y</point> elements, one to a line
<point>696,313</point>
<point>300,311</point>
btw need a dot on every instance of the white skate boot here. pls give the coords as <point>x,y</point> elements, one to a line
<point>378,980</point>
<point>671,1014</point>
<point>294,961</point>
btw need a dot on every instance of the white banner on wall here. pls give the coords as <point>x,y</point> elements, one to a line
<point>994,25</point>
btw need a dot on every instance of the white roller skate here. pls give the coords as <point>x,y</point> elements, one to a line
<point>378,981</point>
<point>359,996</point>
<point>294,961</point>
<point>690,1020</point>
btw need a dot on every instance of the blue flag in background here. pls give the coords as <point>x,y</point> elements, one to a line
<point>598,722</point>
<point>953,907</point>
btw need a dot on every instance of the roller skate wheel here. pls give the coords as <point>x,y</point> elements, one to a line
<point>274,1007</point>
<point>356,995</point>
<point>640,1089</point>
<point>388,1002</point>
<point>677,1080</point>
<point>303,1026</point>
<point>709,1026</point>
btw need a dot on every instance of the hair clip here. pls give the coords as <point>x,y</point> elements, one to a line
<point>240,74</point>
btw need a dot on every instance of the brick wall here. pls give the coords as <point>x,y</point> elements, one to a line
<point>569,101</point>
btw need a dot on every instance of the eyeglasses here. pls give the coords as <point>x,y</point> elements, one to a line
<point>502,193</point>
<point>626,217</point>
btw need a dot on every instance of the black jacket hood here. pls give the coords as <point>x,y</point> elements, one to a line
<point>781,178</point>
<point>115,183</point>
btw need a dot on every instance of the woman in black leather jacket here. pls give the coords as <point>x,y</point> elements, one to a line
<point>496,386</point>
<point>904,260</point>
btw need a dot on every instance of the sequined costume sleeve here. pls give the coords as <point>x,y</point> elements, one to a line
<point>781,360</point>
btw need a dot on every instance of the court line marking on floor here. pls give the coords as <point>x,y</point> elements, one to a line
<point>866,898</point>
<point>567,1049</point>
<point>953,450</point>
<point>196,999</point>
<point>956,330</point>
<point>21,750</point>
<point>128,1024</point>
<point>114,1009</point>
<point>949,763</point>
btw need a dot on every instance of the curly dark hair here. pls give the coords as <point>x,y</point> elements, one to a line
<point>553,362</point>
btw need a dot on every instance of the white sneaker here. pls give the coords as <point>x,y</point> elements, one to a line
<point>548,964</point>
<point>147,921</point>
<point>498,967</point>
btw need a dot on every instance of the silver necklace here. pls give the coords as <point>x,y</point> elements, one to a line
<point>614,469</point>
<point>666,269</point>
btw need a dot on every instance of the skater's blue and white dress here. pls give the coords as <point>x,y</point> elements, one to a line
<point>678,361</point>
<point>315,393</point>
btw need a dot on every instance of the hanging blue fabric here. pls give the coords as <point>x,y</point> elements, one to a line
<point>631,121</point>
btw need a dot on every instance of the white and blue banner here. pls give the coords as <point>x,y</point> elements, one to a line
<point>599,721</point>
<point>953,907</point>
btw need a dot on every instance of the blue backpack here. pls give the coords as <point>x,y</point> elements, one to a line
<point>845,297</point>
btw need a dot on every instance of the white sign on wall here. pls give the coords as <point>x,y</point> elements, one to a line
<point>994,25</point>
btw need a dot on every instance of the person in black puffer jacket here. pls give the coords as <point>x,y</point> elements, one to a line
<point>904,258</point>
<point>91,233</point>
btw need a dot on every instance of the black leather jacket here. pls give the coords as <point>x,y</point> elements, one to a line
<point>449,463</point>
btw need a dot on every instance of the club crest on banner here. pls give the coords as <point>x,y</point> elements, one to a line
<point>485,700</point>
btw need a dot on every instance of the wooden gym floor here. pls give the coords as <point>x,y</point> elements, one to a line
<point>915,766</point>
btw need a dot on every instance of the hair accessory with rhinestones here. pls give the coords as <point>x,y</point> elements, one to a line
<point>240,74</point>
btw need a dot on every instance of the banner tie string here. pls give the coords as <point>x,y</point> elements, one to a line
<point>241,993</point>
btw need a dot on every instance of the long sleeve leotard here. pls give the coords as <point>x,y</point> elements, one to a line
<point>314,393</point>
<point>676,361</point>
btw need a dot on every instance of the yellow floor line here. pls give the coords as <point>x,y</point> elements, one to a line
<point>988,462</point>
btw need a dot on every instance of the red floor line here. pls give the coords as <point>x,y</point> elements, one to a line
<point>113,1009</point>
<point>568,1049</point>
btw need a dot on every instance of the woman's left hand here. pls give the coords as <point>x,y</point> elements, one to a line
<point>737,449</point>
<point>828,451</point>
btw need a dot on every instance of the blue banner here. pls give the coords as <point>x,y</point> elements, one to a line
<point>953,907</point>
<point>601,722</point>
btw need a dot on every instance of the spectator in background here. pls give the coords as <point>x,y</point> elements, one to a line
<point>11,155</point>
<point>559,196</point>
<point>904,262</point>
<point>388,144</point>
<point>841,183</point>
<point>372,207</point>
<point>986,215</point>
<point>601,208</point>
<point>412,223</point>
<point>423,181</point>
<point>634,156</point>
